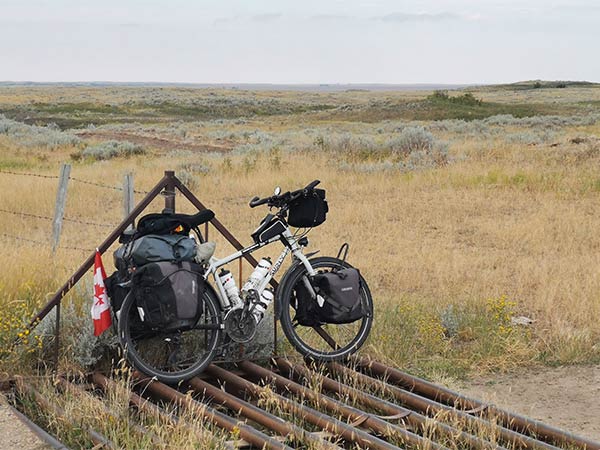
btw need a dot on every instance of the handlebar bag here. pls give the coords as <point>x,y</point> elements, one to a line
<point>169,295</point>
<point>156,248</point>
<point>341,291</point>
<point>308,210</point>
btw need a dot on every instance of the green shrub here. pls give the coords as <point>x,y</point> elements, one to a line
<point>112,149</point>
<point>467,99</point>
<point>50,137</point>
<point>77,340</point>
<point>190,174</point>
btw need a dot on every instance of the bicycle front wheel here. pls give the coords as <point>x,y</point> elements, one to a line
<point>170,356</point>
<point>325,342</point>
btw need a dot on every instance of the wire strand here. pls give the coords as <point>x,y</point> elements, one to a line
<point>78,180</point>
<point>25,174</point>
<point>66,219</point>
<point>105,186</point>
<point>33,241</point>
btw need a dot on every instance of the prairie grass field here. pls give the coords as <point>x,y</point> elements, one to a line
<point>463,210</point>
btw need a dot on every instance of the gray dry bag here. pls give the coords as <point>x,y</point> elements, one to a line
<point>156,248</point>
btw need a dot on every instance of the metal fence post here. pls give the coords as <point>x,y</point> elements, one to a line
<point>56,338</point>
<point>61,200</point>
<point>169,192</point>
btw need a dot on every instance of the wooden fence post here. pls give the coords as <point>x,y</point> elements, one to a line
<point>61,200</point>
<point>128,200</point>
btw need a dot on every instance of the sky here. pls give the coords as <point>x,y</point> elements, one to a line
<point>301,41</point>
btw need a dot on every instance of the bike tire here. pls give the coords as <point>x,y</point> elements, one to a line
<point>131,335</point>
<point>301,337</point>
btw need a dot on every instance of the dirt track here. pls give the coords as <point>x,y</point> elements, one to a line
<point>565,397</point>
<point>155,142</point>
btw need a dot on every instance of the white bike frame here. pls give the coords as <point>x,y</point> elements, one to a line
<point>290,246</point>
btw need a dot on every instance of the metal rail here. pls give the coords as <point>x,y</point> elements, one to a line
<point>327,423</point>
<point>290,405</point>
<point>413,419</point>
<point>26,390</point>
<point>248,433</point>
<point>366,420</point>
<point>510,420</point>
<point>138,402</point>
<point>140,430</point>
<point>433,409</point>
<point>211,394</point>
<point>37,430</point>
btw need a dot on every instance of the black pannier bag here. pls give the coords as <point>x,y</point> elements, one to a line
<point>341,291</point>
<point>115,290</point>
<point>169,295</point>
<point>309,210</point>
<point>306,307</point>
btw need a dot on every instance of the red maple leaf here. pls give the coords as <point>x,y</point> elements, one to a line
<point>98,293</point>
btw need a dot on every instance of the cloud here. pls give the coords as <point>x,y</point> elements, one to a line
<point>332,17</point>
<point>266,17</point>
<point>418,17</point>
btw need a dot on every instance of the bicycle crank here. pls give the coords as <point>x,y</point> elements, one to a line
<point>240,326</point>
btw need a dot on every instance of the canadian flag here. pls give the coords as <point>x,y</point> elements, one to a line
<point>101,305</point>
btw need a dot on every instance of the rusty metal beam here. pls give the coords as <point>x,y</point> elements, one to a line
<point>415,419</point>
<point>37,430</point>
<point>25,389</point>
<point>251,412</point>
<point>146,406</point>
<point>508,419</point>
<point>327,423</point>
<point>431,408</point>
<point>246,432</point>
<point>137,428</point>
<point>366,420</point>
<point>169,192</point>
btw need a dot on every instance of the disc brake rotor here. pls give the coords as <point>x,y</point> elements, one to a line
<point>240,329</point>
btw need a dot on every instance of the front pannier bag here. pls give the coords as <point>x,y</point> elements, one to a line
<point>341,291</point>
<point>309,210</point>
<point>306,307</point>
<point>169,295</point>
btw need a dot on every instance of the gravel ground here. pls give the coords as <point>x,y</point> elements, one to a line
<point>14,434</point>
<point>565,397</point>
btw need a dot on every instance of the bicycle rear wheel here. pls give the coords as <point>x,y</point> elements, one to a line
<point>170,356</point>
<point>326,342</point>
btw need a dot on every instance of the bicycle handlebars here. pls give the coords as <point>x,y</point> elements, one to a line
<point>282,199</point>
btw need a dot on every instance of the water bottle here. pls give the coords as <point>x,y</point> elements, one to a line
<point>263,303</point>
<point>230,287</point>
<point>259,274</point>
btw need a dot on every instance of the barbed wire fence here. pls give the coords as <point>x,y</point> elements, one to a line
<point>60,213</point>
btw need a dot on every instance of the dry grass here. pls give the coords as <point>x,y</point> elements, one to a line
<point>111,416</point>
<point>504,222</point>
